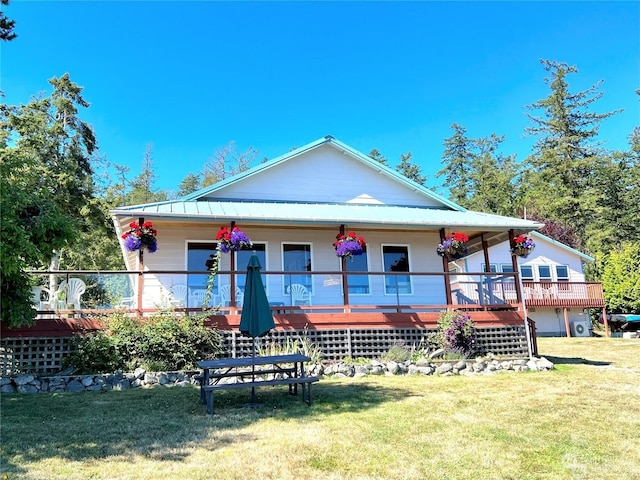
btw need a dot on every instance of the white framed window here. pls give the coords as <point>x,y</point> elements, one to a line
<point>395,258</point>
<point>296,257</point>
<point>544,273</point>
<point>197,255</point>
<point>526,272</point>
<point>562,276</point>
<point>358,284</point>
<point>493,268</point>
<point>242,260</point>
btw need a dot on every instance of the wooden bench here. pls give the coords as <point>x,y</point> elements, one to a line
<point>293,382</point>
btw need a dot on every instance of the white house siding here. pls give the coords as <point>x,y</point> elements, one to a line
<point>549,321</point>
<point>171,255</point>
<point>324,175</point>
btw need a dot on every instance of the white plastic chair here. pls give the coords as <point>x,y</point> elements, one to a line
<point>225,295</point>
<point>72,293</point>
<point>178,296</point>
<point>299,294</point>
<point>40,298</point>
<point>196,297</point>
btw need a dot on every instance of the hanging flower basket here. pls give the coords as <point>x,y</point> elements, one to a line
<point>453,246</point>
<point>522,246</point>
<point>141,237</point>
<point>232,240</point>
<point>349,245</point>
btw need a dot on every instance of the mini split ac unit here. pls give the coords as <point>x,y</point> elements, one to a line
<point>581,328</point>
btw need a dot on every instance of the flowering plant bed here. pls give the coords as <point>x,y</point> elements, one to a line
<point>140,237</point>
<point>454,246</point>
<point>232,240</point>
<point>349,245</point>
<point>522,246</point>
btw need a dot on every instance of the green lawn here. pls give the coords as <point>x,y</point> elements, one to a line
<point>580,421</point>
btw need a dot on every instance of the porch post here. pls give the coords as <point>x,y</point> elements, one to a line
<point>566,321</point>
<point>232,259</point>
<point>345,286</point>
<point>516,269</point>
<point>485,249</point>
<point>606,321</point>
<point>140,274</point>
<point>445,269</point>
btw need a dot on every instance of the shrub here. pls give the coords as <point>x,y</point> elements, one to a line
<point>160,342</point>
<point>94,353</point>
<point>297,344</point>
<point>456,334</point>
<point>396,353</point>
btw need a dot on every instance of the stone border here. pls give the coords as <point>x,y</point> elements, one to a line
<point>140,378</point>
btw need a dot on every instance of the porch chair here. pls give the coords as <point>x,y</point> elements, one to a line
<point>299,294</point>
<point>73,291</point>
<point>196,297</point>
<point>40,298</point>
<point>225,295</point>
<point>177,296</point>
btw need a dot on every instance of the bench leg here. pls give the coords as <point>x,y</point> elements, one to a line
<point>209,396</point>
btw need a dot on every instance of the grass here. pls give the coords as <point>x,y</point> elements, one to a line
<point>580,421</point>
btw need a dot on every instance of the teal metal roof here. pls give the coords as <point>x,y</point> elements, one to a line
<point>322,213</point>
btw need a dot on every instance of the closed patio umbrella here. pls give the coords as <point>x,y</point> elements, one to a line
<point>256,318</point>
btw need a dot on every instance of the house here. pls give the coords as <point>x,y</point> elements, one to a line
<point>292,208</point>
<point>555,292</point>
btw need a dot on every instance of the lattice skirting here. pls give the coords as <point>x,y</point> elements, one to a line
<point>44,355</point>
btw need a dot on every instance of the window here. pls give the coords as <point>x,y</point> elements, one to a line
<point>296,257</point>
<point>197,256</point>
<point>396,259</point>
<point>526,271</point>
<point>358,284</point>
<point>493,268</point>
<point>242,260</point>
<point>544,272</point>
<point>562,275</point>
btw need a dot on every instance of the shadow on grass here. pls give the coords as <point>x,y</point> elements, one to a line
<point>162,424</point>
<point>575,361</point>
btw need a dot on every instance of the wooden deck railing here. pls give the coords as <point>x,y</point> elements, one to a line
<point>365,291</point>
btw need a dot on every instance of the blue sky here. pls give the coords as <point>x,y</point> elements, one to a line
<point>189,77</point>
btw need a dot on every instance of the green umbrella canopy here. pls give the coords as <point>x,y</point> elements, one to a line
<point>256,318</point>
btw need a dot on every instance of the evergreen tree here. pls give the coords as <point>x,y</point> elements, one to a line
<point>378,157</point>
<point>458,159</point>
<point>410,170</point>
<point>142,186</point>
<point>47,189</point>
<point>567,151</point>
<point>6,25</point>
<point>189,184</point>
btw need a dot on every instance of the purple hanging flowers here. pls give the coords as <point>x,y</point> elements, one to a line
<point>140,237</point>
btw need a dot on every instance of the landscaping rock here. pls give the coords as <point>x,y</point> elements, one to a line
<point>444,368</point>
<point>486,365</point>
<point>7,388</point>
<point>75,386</point>
<point>22,379</point>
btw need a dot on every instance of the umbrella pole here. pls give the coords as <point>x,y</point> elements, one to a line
<point>253,371</point>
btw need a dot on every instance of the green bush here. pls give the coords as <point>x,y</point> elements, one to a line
<point>94,353</point>
<point>163,341</point>
<point>396,353</point>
